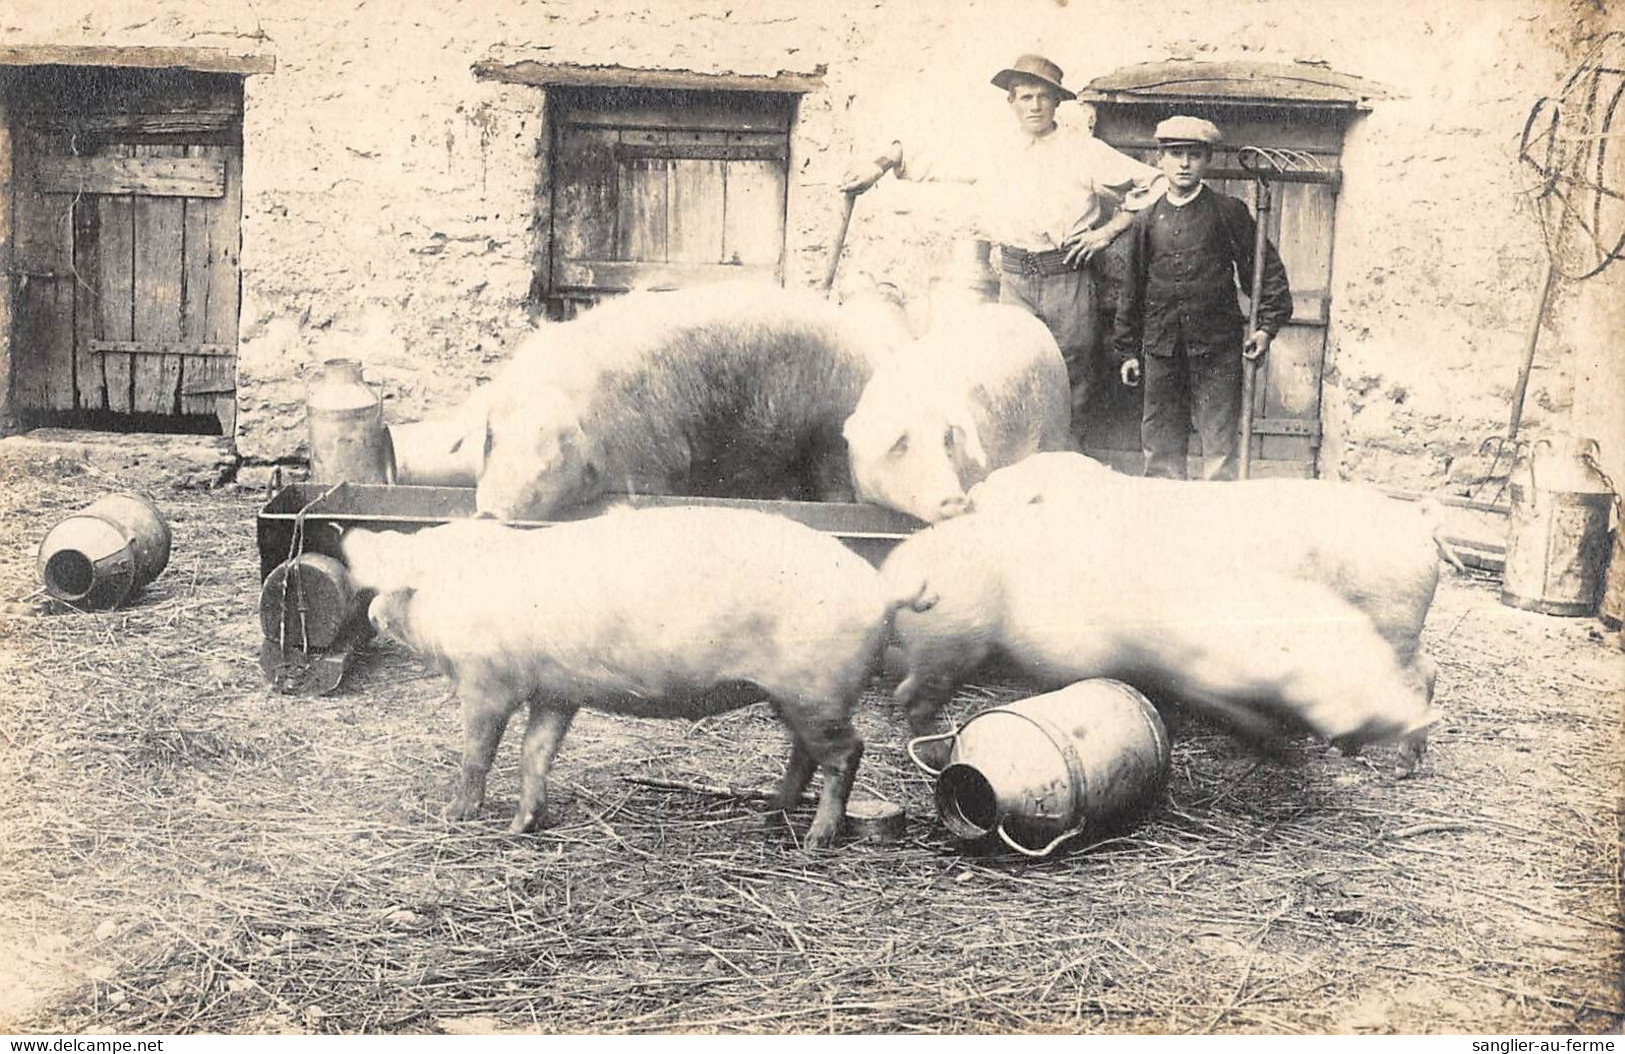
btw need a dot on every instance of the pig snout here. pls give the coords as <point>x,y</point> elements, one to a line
<point>388,614</point>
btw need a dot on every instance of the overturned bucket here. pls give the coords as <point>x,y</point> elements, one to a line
<point>1046,769</point>
<point>98,558</point>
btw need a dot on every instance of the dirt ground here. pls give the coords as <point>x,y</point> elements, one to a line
<point>187,851</point>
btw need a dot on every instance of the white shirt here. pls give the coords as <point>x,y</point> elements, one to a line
<point>1036,191</point>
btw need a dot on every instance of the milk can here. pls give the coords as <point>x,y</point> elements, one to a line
<point>308,603</point>
<point>967,279</point>
<point>348,440</point>
<point>434,454</point>
<point>100,557</point>
<point>1557,537</point>
<point>1045,769</point>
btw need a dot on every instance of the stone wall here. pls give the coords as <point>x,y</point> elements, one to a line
<point>390,194</point>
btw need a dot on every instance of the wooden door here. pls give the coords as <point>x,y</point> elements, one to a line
<point>661,189</point>
<point>126,238</point>
<point>1286,406</point>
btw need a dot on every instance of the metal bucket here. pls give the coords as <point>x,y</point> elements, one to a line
<point>99,558</point>
<point>423,454</point>
<point>307,603</point>
<point>1046,769</point>
<point>345,420</point>
<point>1611,609</point>
<point>1557,535</point>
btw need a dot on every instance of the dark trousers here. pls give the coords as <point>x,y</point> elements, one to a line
<point>1066,304</point>
<point>1182,388</point>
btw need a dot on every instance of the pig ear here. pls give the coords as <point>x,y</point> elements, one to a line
<point>963,431</point>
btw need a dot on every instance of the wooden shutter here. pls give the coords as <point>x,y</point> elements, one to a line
<point>660,189</point>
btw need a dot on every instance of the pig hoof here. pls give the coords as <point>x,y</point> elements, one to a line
<point>461,809</point>
<point>821,836</point>
<point>523,824</point>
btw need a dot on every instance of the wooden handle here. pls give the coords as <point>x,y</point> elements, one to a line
<point>851,197</point>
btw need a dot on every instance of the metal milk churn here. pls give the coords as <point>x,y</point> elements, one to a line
<point>968,278</point>
<point>1048,768</point>
<point>348,440</point>
<point>1557,537</point>
<point>101,556</point>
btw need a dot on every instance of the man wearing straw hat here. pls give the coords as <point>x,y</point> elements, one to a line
<point>1053,196</point>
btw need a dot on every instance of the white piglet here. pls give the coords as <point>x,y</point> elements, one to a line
<point>673,612</point>
<point>983,388</point>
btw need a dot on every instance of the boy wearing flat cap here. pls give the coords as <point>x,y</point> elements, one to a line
<point>1052,197</point>
<point>1179,327</point>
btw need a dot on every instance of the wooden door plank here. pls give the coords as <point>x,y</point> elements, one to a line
<point>753,213</point>
<point>158,278</point>
<point>89,381</point>
<point>43,352</point>
<point>225,286</point>
<point>115,291</point>
<point>694,219</point>
<point>209,305</point>
<point>695,222</point>
<point>146,176</point>
<point>1304,240</point>
<point>641,217</point>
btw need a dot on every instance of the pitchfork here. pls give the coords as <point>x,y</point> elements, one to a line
<point>1261,162</point>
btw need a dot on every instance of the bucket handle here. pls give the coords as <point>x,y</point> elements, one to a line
<point>917,740</point>
<point>1534,488</point>
<point>1038,853</point>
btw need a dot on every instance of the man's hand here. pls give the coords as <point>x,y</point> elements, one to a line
<point>1256,345</point>
<point>1081,247</point>
<point>1129,373</point>
<point>861,179</point>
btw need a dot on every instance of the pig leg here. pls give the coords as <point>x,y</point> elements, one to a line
<point>833,744</point>
<point>549,721</point>
<point>485,717</point>
<point>797,774</point>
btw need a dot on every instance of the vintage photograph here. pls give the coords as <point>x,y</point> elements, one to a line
<point>882,517</point>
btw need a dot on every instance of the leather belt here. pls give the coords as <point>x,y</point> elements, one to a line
<point>1020,261</point>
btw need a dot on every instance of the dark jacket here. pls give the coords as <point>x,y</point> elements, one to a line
<point>1189,296</point>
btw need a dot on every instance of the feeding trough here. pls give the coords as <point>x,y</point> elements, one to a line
<point>307,520</point>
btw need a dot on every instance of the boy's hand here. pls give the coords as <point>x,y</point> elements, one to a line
<point>1256,345</point>
<point>1129,373</point>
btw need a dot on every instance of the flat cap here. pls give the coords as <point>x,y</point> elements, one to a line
<point>1034,67</point>
<point>1188,130</point>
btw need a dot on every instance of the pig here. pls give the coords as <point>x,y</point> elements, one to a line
<point>1264,652</point>
<point>982,389</point>
<point>730,390</point>
<point>1378,553</point>
<point>665,612</point>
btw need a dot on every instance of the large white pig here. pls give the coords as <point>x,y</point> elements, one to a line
<point>730,390</point>
<point>985,387</point>
<point>1380,554</point>
<point>1264,651</point>
<point>673,612</point>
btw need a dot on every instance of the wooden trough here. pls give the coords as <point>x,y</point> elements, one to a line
<point>307,521</point>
